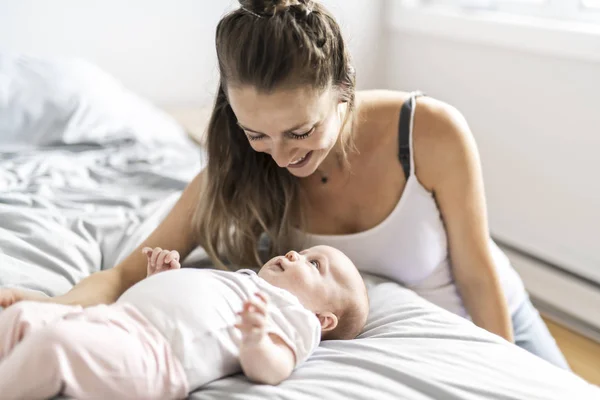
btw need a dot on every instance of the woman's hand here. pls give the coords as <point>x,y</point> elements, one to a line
<point>10,296</point>
<point>160,260</point>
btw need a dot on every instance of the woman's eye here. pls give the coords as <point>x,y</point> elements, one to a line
<point>301,136</point>
<point>316,264</point>
<point>253,138</point>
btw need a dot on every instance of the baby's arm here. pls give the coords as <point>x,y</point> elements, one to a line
<point>265,357</point>
<point>160,260</point>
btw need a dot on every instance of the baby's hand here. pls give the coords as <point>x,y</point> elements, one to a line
<point>254,320</point>
<point>160,260</point>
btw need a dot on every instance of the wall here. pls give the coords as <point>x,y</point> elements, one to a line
<point>162,50</point>
<point>361,23</point>
<point>536,121</point>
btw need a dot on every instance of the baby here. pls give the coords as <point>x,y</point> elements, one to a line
<point>179,329</point>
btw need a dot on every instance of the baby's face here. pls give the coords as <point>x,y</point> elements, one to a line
<point>317,276</point>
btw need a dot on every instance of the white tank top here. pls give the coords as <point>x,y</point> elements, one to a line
<point>411,246</point>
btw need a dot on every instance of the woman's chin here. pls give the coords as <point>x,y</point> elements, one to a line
<point>304,173</point>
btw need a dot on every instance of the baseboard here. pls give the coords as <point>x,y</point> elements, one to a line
<point>560,296</point>
<point>567,320</point>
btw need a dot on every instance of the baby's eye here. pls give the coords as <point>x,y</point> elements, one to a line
<point>316,264</point>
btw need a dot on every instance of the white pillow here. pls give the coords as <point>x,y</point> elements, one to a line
<point>47,102</point>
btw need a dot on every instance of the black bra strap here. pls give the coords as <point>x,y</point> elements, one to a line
<point>404,134</point>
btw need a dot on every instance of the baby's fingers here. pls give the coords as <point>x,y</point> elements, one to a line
<point>172,256</point>
<point>256,305</point>
<point>254,320</point>
<point>264,297</point>
<point>155,253</point>
<point>160,260</point>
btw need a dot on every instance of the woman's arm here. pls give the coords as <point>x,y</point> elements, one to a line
<point>174,233</point>
<point>452,168</point>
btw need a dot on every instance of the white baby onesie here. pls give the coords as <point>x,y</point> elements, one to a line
<point>196,310</point>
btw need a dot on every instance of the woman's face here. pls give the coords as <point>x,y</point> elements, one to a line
<point>297,127</point>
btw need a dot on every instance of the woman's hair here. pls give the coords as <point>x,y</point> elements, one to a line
<point>266,45</point>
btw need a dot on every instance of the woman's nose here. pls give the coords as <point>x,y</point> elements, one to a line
<point>281,154</point>
<point>292,256</point>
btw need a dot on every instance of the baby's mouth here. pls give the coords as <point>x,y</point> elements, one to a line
<point>278,263</point>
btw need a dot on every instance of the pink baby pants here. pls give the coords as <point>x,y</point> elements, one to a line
<point>101,352</point>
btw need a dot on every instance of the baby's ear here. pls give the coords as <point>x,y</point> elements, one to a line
<point>328,320</point>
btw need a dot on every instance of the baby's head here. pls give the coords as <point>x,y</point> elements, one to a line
<point>327,283</point>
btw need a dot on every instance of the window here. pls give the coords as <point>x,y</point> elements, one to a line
<point>593,4</point>
<point>564,28</point>
<point>573,10</point>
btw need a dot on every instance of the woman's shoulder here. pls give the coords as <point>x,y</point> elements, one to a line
<point>383,106</point>
<point>379,108</point>
<point>379,111</point>
<point>376,118</point>
<point>440,131</point>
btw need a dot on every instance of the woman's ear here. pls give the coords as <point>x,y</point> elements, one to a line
<point>328,320</point>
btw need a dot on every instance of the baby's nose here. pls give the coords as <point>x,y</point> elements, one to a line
<point>292,256</point>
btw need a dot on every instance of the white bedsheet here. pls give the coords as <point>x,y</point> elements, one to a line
<point>82,183</point>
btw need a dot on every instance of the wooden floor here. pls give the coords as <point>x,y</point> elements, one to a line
<point>582,353</point>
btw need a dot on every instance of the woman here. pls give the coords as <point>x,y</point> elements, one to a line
<point>296,157</point>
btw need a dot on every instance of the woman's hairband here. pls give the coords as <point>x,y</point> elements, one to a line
<point>308,11</point>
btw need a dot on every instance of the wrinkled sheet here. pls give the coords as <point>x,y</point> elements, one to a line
<point>81,186</point>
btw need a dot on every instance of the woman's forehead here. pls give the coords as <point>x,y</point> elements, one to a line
<point>284,106</point>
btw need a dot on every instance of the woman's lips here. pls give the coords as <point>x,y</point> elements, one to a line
<point>302,163</point>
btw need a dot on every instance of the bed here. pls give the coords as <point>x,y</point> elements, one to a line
<point>88,169</point>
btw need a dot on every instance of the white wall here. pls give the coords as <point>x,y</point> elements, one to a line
<point>537,123</point>
<point>162,50</point>
<point>361,23</point>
